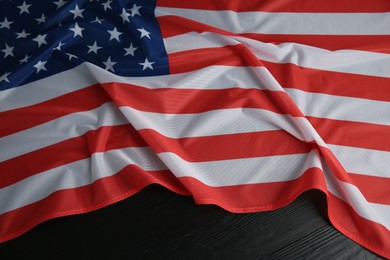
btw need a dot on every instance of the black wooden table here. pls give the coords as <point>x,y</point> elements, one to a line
<point>159,224</point>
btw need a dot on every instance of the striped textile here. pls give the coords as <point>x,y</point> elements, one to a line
<point>263,101</point>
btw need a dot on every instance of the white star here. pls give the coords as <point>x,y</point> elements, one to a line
<point>24,8</point>
<point>6,23</point>
<point>109,64</point>
<point>77,30</point>
<point>130,50</point>
<point>147,64</point>
<point>135,10</point>
<point>25,59</point>
<point>93,48</point>
<point>22,34</point>
<point>71,56</point>
<point>125,16</point>
<point>144,33</point>
<point>59,3</point>
<point>40,65</point>
<point>60,44</point>
<point>8,51</point>
<point>114,34</point>
<point>97,20</point>
<point>42,19</point>
<point>4,77</point>
<point>107,5</point>
<point>77,12</point>
<point>40,39</point>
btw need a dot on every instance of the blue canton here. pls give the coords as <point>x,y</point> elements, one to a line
<point>42,38</point>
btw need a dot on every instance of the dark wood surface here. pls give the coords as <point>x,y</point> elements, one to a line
<point>159,224</point>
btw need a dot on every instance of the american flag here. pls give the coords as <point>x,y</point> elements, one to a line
<point>242,104</point>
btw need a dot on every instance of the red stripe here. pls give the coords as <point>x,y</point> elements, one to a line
<point>369,234</point>
<point>81,100</point>
<point>313,6</point>
<point>171,25</point>
<point>231,55</point>
<point>71,150</point>
<point>175,25</point>
<point>355,134</point>
<point>224,147</point>
<point>374,189</point>
<point>189,101</point>
<point>329,82</point>
<point>100,193</point>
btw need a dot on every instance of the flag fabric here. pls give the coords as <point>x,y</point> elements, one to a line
<point>242,104</point>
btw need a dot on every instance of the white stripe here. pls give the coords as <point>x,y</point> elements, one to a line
<point>58,130</point>
<point>213,77</point>
<point>218,122</point>
<point>183,42</point>
<point>350,61</point>
<point>363,161</point>
<point>351,194</point>
<point>287,23</point>
<point>341,108</point>
<point>75,175</point>
<point>47,88</point>
<point>243,171</point>
<point>193,41</point>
